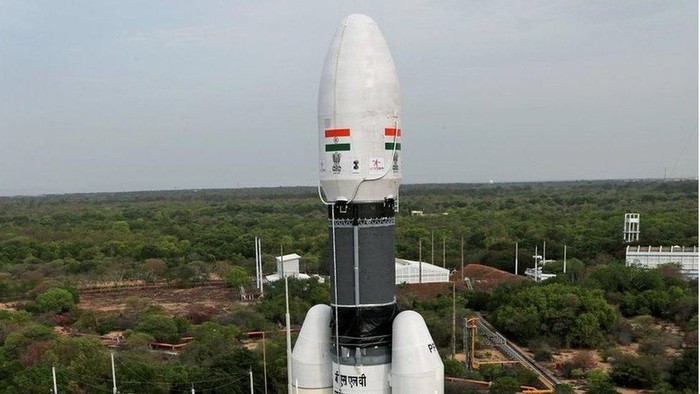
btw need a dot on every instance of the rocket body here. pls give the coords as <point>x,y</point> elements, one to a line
<point>359,113</point>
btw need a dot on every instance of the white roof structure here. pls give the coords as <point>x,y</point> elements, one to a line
<point>408,271</point>
<point>276,277</point>
<point>287,257</point>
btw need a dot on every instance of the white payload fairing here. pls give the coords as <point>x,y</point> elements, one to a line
<point>361,343</point>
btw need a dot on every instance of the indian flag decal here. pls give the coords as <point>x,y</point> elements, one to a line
<point>391,137</point>
<point>337,140</point>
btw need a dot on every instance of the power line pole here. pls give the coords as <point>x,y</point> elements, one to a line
<point>536,256</point>
<point>55,386</point>
<point>461,273</point>
<point>260,263</point>
<point>289,337</point>
<point>443,251</point>
<point>250,372</point>
<point>114,377</point>
<point>544,252</point>
<point>420,260</point>
<point>454,321</point>
<point>264,364</point>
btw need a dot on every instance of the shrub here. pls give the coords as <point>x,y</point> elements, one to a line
<point>543,354</point>
<point>637,372</point>
<point>236,277</point>
<point>55,300</point>
<point>599,383</point>
<point>161,327</point>
<point>541,350</point>
<point>622,332</point>
<point>136,340</point>
<point>584,360</point>
<point>504,385</point>
<point>684,371</point>
<point>454,368</point>
<point>563,388</point>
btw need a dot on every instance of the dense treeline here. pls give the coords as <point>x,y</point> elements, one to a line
<point>215,361</point>
<point>112,236</point>
<point>51,244</point>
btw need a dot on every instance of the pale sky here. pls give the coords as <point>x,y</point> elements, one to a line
<point>148,95</point>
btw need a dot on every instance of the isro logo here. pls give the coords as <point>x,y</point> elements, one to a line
<point>376,165</point>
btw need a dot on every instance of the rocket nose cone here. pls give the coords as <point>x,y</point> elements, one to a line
<point>359,111</point>
<point>358,19</point>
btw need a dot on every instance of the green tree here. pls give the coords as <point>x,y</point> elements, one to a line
<point>518,322</point>
<point>237,277</point>
<point>637,371</point>
<point>563,388</point>
<point>453,368</point>
<point>684,371</point>
<point>86,361</point>
<point>137,340</point>
<point>32,379</point>
<point>19,340</point>
<point>163,328</point>
<point>211,340</point>
<point>599,383</point>
<point>586,331</point>
<point>55,300</point>
<point>504,385</point>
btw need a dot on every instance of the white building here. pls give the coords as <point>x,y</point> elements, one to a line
<point>654,256</point>
<point>287,265</point>
<point>408,271</point>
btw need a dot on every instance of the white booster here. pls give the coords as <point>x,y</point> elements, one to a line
<point>416,365</point>
<point>311,358</point>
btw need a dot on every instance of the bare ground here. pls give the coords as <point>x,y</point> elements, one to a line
<point>175,300</point>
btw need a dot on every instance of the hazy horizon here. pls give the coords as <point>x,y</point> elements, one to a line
<point>196,189</point>
<point>101,97</point>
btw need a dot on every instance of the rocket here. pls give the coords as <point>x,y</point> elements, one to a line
<point>360,343</point>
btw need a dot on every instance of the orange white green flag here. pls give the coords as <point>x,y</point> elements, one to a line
<point>337,140</point>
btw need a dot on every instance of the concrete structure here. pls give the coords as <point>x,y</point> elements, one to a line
<point>288,265</point>
<point>408,271</point>
<point>654,256</point>
<point>630,231</point>
<point>538,275</point>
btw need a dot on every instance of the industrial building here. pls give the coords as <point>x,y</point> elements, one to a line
<point>537,275</point>
<point>287,265</point>
<point>408,271</point>
<point>654,256</point>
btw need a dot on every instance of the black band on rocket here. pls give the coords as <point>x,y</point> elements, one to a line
<point>364,326</point>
